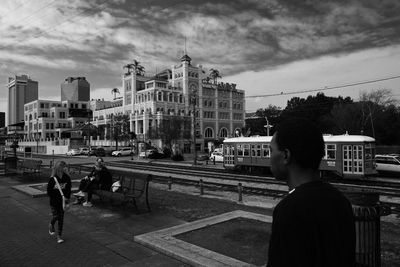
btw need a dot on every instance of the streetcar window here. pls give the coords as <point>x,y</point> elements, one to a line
<point>246,151</point>
<point>240,150</point>
<point>330,152</point>
<point>253,150</point>
<point>369,151</point>
<point>258,149</point>
<point>265,151</point>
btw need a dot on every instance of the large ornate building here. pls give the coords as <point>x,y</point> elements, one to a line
<point>219,110</point>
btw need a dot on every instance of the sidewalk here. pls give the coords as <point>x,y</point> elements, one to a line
<point>94,236</point>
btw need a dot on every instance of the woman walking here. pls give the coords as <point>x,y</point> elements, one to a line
<point>59,191</point>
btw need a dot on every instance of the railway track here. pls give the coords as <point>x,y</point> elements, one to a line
<point>212,179</point>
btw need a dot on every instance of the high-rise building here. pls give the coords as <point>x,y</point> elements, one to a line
<point>21,90</point>
<point>75,89</point>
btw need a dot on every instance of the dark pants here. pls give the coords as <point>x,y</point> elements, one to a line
<point>58,215</point>
<point>88,186</point>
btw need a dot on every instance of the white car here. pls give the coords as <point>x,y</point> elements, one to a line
<point>73,152</point>
<point>126,151</point>
<point>84,151</point>
<point>217,156</point>
<point>388,163</point>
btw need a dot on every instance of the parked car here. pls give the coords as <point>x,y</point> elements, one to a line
<point>126,151</point>
<point>73,152</point>
<point>154,154</point>
<point>84,151</point>
<point>98,152</point>
<point>388,163</point>
<point>202,157</point>
<point>146,153</point>
<point>217,156</point>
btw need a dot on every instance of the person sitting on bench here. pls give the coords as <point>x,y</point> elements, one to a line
<point>99,178</point>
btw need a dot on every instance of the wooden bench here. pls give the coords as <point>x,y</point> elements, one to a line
<point>31,166</point>
<point>133,186</point>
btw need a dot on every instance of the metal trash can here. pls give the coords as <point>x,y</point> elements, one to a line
<point>367,212</point>
<point>10,163</point>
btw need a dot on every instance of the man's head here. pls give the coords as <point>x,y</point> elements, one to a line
<point>99,163</point>
<point>296,141</point>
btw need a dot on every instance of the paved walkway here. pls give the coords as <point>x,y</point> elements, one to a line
<point>96,236</point>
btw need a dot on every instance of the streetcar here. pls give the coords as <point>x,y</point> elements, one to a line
<point>346,156</point>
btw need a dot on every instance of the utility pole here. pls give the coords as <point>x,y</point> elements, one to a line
<point>193,98</point>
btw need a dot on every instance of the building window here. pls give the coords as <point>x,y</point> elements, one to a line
<point>84,106</point>
<point>223,133</point>
<point>208,133</point>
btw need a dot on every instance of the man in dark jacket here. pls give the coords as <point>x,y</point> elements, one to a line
<point>99,178</point>
<point>313,225</point>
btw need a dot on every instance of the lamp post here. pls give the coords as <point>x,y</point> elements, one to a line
<point>193,100</point>
<point>267,126</point>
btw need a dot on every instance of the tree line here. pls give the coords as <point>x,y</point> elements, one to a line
<point>375,114</point>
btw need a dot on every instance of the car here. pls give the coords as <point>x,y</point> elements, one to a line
<point>126,151</point>
<point>154,154</point>
<point>388,163</point>
<point>146,153</point>
<point>98,152</point>
<point>73,152</point>
<point>217,156</point>
<point>202,157</point>
<point>84,151</point>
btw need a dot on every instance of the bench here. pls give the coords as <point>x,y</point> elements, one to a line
<point>133,187</point>
<point>29,166</point>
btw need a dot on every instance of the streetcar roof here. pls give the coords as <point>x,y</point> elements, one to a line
<point>327,138</point>
<point>251,139</point>
<point>348,138</point>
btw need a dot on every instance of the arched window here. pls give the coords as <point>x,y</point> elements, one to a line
<point>180,98</point>
<point>208,133</point>
<point>170,97</point>
<point>223,133</point>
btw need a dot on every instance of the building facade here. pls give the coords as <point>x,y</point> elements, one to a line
<point>75,89</point>
<point>21,90</point>
<point>47,119</point>
<point>219,110</point>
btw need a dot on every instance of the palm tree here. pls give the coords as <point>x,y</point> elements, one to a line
<point>214,74</point>
<point>115,91</point>
<point>135,66</point>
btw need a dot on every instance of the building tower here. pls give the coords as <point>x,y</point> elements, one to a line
<point>75,89</point>
<point>21,90</point>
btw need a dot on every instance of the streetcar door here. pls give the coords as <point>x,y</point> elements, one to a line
<point>353,159</point>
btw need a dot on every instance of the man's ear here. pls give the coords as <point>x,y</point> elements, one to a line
<point>287,156</point>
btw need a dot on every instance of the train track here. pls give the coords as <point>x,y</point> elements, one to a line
<point>213,179</point>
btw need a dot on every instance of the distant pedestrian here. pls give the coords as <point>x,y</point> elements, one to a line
<point>313,225</point>
<point>59,191</point>
<point>99,178</point>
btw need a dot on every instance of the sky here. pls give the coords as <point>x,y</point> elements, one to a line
<point>273,49</point>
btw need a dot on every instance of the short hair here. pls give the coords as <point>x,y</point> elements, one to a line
<point>304,141</point>
<point>100,160</point>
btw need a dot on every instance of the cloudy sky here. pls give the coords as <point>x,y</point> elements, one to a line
<point>267,47</point>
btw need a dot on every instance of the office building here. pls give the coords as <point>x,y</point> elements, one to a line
<point>75,89</point>
<point>21,90</point>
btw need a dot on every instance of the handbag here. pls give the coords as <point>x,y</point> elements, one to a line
<point>64,200</point>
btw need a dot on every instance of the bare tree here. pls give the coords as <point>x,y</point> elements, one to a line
<point>372,103</point>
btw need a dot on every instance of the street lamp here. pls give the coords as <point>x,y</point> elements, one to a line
<point>267,126</point>
<point>193,100</point>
